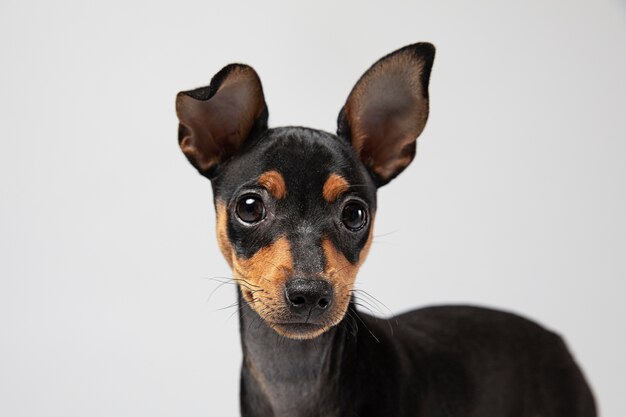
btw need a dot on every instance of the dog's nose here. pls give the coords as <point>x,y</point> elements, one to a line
<point>307,295</point>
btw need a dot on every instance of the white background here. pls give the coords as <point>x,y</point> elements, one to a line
<point>516,199</point>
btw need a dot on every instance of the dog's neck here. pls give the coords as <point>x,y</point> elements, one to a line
<point>290,377</point>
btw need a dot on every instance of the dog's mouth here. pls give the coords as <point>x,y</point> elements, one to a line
<point>295,308</point>
<point>296,319</point>
<point>299,330</point>
<point>281,317</point>
<point>278,315</point>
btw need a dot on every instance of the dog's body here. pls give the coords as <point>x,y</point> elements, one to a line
<point>442,361</point>
<point>295,210</point>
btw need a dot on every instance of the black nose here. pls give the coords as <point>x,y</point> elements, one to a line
<point>308,295</point>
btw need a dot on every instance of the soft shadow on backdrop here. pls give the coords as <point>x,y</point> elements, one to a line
<point>516,199</point>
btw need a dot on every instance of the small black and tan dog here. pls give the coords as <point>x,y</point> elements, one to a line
<point>295,214</point>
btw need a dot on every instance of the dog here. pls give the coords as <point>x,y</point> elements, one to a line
<point>295,214</point>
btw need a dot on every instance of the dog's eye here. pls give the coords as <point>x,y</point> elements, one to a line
<point>250,209</point>
<point>354,216</point>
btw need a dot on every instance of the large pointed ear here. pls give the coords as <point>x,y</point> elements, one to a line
<point>216,120</point>
<point>387,110</point>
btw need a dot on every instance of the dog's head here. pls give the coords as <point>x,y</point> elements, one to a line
<point>296,206</point>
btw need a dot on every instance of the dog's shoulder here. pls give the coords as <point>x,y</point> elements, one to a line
<point>449,324</point>
<point>482,356</point>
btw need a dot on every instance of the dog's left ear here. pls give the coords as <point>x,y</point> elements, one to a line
<point>387,110</point>
<point>216,120</point>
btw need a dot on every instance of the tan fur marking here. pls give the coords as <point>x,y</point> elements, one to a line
<point>273,182</point>
<point>342,273</point>
<point>222,235</point>
<point>334,186</point>
<point>262,276</point>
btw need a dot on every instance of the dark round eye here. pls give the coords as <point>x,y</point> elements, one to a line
<point>250,209</point>
<point>354,216</point>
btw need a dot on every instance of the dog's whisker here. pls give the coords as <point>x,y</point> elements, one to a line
<point>243,278</point>
<point>364,306</point>
<point>370,306</point>
<point>367,328</point>
<point>217,288</point>
<point>238,310</point>
<point>376,300</point>
<point>393,232</point>
<point>228,279</point>
<point>227,307</point>
<point>229,282</point>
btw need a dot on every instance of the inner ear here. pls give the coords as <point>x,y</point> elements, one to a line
<point>216,120</point>
<point>387,110</point>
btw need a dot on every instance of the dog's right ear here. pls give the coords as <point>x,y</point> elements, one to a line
<point>216,120</point>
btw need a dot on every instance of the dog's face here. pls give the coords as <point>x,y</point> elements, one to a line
<point>295,206</point>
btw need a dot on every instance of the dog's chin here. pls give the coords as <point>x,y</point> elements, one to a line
<point>299,331</point>
<point>293,327</point>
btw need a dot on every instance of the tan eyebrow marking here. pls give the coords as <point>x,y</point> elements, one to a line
<point>273,182</point>
<point>334,186</point>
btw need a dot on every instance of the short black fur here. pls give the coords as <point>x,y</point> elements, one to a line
<point>452,361</point>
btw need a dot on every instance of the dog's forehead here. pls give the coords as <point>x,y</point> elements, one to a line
<point>304,160</point>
